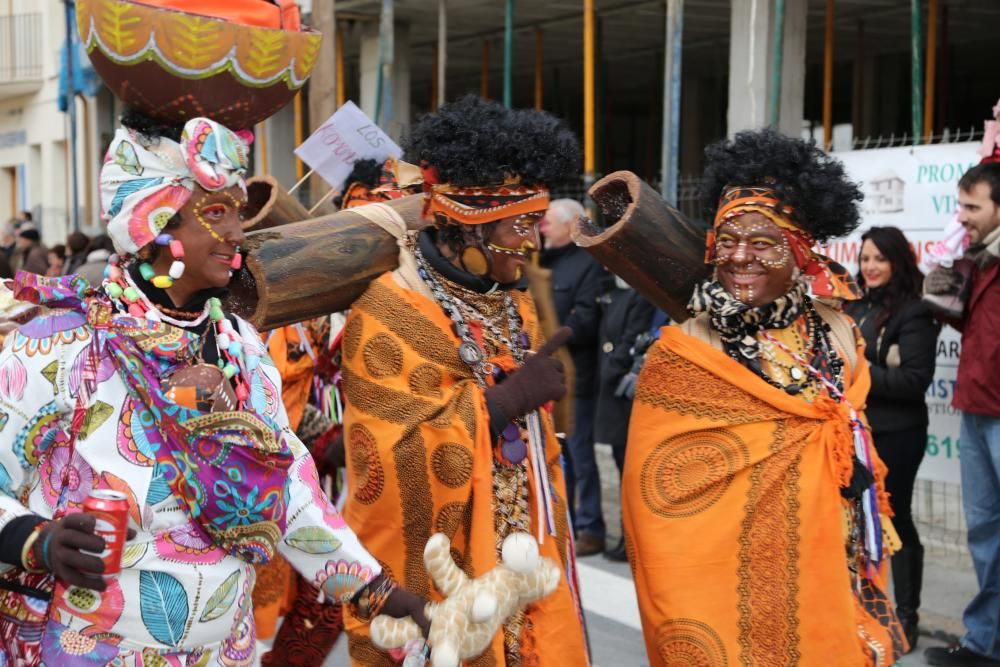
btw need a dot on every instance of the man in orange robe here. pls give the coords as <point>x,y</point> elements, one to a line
<point>302,352</point>
<point>752,497</point>
<point>445,426</point>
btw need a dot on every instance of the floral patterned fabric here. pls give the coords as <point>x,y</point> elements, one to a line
<point>181,599</point>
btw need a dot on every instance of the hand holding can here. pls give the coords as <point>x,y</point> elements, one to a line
<point>62,548</point>
<point>110,510</point>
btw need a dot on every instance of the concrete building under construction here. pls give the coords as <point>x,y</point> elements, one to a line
<point>845,71</point>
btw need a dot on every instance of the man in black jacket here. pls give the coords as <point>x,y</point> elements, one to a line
<point>626,330</point>
<point>576,286</point>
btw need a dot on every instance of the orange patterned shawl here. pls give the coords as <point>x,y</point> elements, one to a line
<point>732,506</point>
<point>419,461</point>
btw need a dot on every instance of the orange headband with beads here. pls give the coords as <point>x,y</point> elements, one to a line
<point>481,204</point>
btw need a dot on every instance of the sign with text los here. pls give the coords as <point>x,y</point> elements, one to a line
<point>346,137</point>
<point>915,188</point>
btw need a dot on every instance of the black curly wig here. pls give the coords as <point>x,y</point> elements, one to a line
<point>812,182</point>
<point>149,128</point>
<point>473,141</point>
<point>367,172</point>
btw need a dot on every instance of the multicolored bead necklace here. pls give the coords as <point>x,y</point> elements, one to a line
<point>513,448</point>
<point>234,360</point>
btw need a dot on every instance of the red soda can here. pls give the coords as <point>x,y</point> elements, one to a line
<point>111,510</point>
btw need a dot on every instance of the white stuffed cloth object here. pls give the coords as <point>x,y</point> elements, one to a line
<point>474,610</point>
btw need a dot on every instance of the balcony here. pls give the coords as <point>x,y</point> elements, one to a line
<point>20,54</point>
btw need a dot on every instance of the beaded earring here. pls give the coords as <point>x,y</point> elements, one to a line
<point>176,248</point>
<point>237,262</point>
<point>119,289</point>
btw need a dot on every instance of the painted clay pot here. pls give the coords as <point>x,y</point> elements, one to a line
<point>173,65</point>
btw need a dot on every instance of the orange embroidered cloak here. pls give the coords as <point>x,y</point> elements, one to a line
<point>732,507</point>
<point>419,461</point>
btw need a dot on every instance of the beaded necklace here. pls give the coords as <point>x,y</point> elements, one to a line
<point>820,349</point>
<point>513,448</point>
<point>469,350</point>
<point>235,362</point>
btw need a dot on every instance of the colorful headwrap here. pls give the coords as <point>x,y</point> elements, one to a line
<point>480,205</point>
<point>826,277</point>
<point>398,179</point>
<point>144,184</point>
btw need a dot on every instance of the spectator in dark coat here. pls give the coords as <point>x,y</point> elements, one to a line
<point>5,270</point>
<point>29,253</point>
<point>576,286</point>
<point>901,342</point>
<point>625,317</point>
<point>8,238</point>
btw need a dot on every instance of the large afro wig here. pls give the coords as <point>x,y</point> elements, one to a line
<point>477,142</point>
<point>813,183</point>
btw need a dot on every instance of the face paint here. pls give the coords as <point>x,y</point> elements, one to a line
<point>210,214</point>
<point>753,259</point>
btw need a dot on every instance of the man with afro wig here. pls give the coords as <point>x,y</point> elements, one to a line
<point>752,496</point>
<point>446,377</point>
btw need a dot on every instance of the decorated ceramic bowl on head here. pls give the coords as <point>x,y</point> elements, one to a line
<point>234,61</point>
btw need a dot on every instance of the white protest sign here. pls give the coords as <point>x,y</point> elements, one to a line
<point>346,137</point>
<point>915,188</point>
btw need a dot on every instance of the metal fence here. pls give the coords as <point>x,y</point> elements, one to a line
<point>937,511</point>
<point>948,136</point>
<point>20,48</point>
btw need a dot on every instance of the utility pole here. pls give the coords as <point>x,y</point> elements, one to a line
<point>323,82</point>
<point>74,214</point>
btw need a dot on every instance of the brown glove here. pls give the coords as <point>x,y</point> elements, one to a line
<point>402,603</point>
<point>541,379</point>
<point>942,280</point>
<point>60,546</point>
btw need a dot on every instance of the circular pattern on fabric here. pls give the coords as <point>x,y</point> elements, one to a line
<point>352,335</point>
<point>450,518</point>
<point>43,431</point>
<point>367,468</point>
<point>73,643</point>
<point>687,474</point>
<point>383,357</point>
<point>452,464</point>
<point>425,380</point>
<point>685,641</point>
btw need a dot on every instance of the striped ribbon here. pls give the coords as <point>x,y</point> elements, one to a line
<point>543,490</point>
<point>862,449</point>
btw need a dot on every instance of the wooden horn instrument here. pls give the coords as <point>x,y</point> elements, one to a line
<point>645,241</point>
<point>297,267</point>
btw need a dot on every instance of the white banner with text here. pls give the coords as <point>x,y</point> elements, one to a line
<point>915,188</point>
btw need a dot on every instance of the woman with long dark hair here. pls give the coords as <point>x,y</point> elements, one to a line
<point>901,338</point>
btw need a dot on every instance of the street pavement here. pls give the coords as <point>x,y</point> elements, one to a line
<point>612,613</point>
<point>613,620</point>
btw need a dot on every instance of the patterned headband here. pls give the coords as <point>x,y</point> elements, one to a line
<point>481,204</point>
<point>396,180</point>
<point>145,183</point>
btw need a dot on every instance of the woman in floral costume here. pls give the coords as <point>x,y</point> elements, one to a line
<point>143,385</point>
